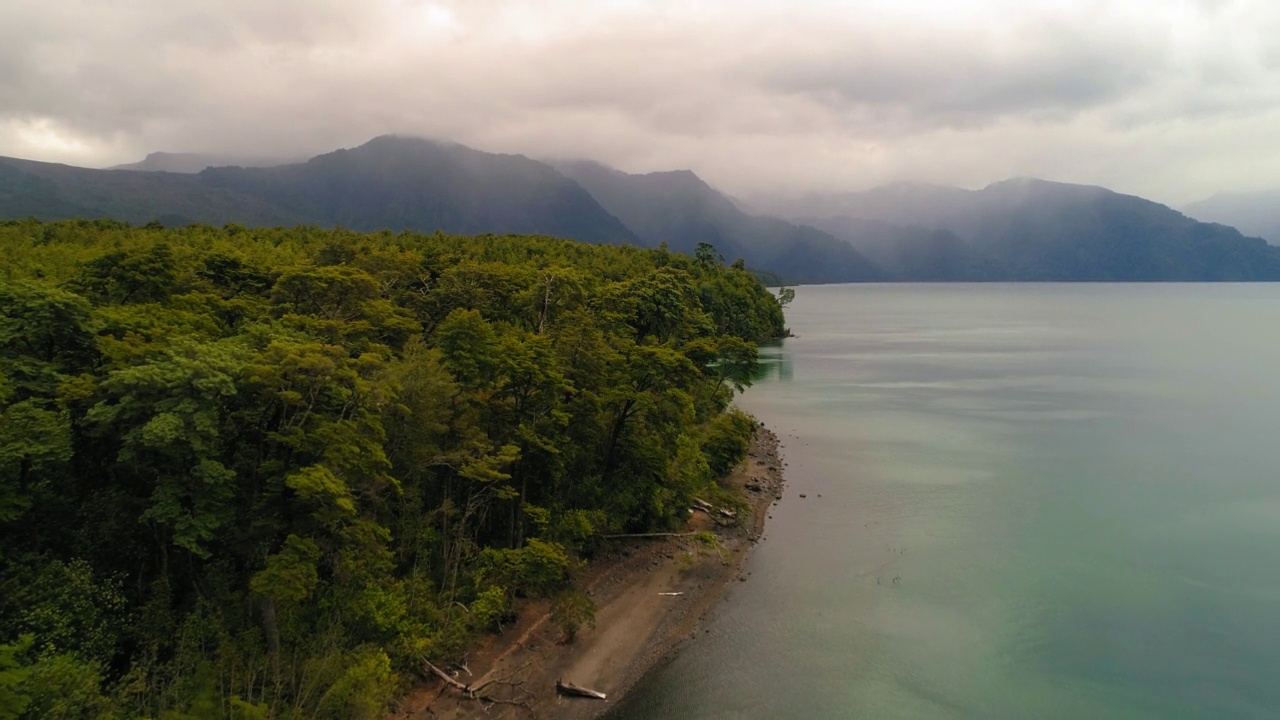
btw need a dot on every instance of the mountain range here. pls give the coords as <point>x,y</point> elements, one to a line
<point>678,208</point>
<point>1256,213</point>
<point>1029,229</point>
<point>389,182</point>
<point>1023,229</point>
<point>195,162</point>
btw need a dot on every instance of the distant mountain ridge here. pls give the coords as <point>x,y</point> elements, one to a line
<point>1029,229</point>
<point>50,191</point>
<point>1022,229</point>
<point>416,184</point>
<point>1256,213</point>
<point>682,210</point>
<point>389,182</point>
<point>195,162</point>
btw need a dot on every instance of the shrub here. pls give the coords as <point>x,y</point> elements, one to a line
<point>727,439</point>
<point>571,610</point>
<point>364,690</point>
<point>539,568</point>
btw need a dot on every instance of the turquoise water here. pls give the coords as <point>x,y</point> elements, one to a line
<point>1024,501</point>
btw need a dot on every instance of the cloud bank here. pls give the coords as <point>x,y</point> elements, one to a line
<point>1172,100</point>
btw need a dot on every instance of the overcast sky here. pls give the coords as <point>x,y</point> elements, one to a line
<point>1171,99</point>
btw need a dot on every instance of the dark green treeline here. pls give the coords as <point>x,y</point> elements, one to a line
<point>264,473</point>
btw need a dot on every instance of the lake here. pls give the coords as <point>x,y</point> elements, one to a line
<point>1023,501</point>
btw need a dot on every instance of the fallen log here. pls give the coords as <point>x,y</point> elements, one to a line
<point>715,512</point>
<point>449,680</point>
<point>476,691</point>
<point>565,688</point>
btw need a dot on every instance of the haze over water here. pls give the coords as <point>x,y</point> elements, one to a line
<point>1048,501</point>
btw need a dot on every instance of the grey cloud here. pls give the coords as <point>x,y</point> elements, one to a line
<point>749,95</point>
<point>965,81</point>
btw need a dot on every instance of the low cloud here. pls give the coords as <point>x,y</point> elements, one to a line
<point>1171,100</point>
<point>926,80</point>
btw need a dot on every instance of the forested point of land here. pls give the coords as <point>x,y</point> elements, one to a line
<point>265,473</point>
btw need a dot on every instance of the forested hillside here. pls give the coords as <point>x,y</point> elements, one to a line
<point>266,473</point>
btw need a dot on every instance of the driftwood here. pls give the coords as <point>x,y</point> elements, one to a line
<point>466,689</point>
<point>716,513</point>
<point>475,692</point>
<point>565,688</point>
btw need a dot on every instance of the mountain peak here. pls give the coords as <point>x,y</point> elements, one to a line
<point>1022,188</point>
<point>402,140</point>
<point>675,175</point>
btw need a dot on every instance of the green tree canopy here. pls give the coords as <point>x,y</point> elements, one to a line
<point>265,472</point>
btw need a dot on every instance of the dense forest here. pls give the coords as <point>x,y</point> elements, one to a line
<point>265,473</point>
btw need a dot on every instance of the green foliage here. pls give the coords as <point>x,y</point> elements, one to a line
<point>64,608</point>
<point>64,687</point>
<point>261,473</point>
<point>727,439</point>
<point>363,691</point>
<point>539,568</point>
<point>490,607</point>
<point>290,575</point>
<point>33,442</point>
<point>45,338</point>
<point>577,528</point>
<point>571,610</point>
<point>14,697</point>
<point>119,278</point>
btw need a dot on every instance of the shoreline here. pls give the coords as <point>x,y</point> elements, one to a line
<point>651,596</point>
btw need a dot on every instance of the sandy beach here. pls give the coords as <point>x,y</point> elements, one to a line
<point>650,595</point>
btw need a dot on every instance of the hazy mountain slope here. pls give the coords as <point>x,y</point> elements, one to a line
<point>904,204</point>
<point>1037,230</point>
<point>195,162</point>
<point>1054,231</point>
<point>53,192</point>
<point>678,208</point>
<point>1250,213</point>
<point>390,182</point>
<point>915,253</point>
<point>672,207</point>
<point>1014,230</point>
<point>415,184</point>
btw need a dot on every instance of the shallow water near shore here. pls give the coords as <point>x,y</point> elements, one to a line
<point>1050,501</point>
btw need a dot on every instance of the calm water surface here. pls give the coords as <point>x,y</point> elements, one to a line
<point>1024,501</point>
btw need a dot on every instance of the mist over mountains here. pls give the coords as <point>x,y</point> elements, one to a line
<point>678,208</point>
<point>1252,213</point>
<point>1016,230</point>
<point>195,162</point>
<point>1027,229</point>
